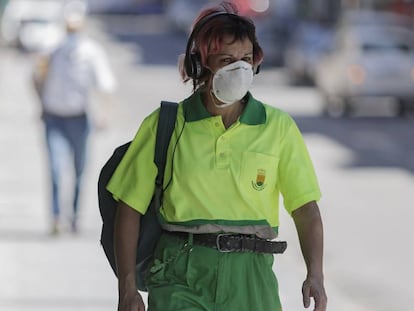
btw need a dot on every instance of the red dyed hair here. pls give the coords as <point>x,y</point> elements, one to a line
<point>208,38</point>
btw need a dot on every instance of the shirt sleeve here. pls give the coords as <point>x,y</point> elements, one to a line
<point>133,181</point>
<point>104,77</point>
<point>298,181</point>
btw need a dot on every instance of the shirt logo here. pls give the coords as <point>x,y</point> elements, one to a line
<point>259,184</point>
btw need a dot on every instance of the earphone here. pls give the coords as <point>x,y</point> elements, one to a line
<point>192,61</point>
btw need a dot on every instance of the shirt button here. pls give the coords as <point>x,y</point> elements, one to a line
<point>217,124</point>
<point>222,154</point>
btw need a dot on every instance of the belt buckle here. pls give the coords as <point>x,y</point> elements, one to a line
<point>221,250</point>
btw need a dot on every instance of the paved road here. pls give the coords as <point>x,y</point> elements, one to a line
<point>365,166</point>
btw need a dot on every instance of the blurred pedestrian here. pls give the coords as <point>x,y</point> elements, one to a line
<point>230,158</point>
<point>64,80</point>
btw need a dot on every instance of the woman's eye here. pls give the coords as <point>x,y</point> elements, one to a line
<point>226,60</point>
<point>247,59</point>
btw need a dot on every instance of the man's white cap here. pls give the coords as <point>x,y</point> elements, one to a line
<point>74,13</point>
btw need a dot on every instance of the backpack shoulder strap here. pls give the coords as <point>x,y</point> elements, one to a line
<point>166,124</point>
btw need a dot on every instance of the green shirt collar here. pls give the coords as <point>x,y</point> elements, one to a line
<point>253,114</point>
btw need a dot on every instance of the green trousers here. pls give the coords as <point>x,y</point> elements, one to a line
<point>187,277</point>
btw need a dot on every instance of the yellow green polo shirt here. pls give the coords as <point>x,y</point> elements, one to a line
<point>219,179</point>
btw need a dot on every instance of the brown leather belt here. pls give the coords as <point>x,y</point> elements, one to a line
<point>229,242</point>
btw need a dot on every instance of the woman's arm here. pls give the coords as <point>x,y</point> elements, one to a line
<point>126,236</point>
<point>310,231</point>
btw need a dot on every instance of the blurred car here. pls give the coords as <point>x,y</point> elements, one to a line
<point>33,25</point>
<point>366,17</point>
<point>274,20</point>
<point>40,34</point>
<point>272,37</point>
<point>125,6</point>
<point>309,43</point>
<point>367,61</point>
<point>181,13</point>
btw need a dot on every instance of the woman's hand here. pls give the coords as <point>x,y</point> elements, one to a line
<point>131,301</point>
<point>310,231</point>
<point>313,287</point>
<point>126,236</point>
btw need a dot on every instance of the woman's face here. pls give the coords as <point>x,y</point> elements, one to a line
<point>231,51</point>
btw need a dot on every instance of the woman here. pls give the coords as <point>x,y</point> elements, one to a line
<point>229,159</point>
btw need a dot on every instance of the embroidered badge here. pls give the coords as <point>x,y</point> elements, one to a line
<point>259,184</point>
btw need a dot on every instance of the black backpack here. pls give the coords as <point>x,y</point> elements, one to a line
<point>150,228</point>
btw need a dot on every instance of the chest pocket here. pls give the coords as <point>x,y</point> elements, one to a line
<point>258,173</point>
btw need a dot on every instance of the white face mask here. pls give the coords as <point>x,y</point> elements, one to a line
<point>232,82</point>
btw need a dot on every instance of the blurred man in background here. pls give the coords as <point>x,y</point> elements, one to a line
<point>64,81</point>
